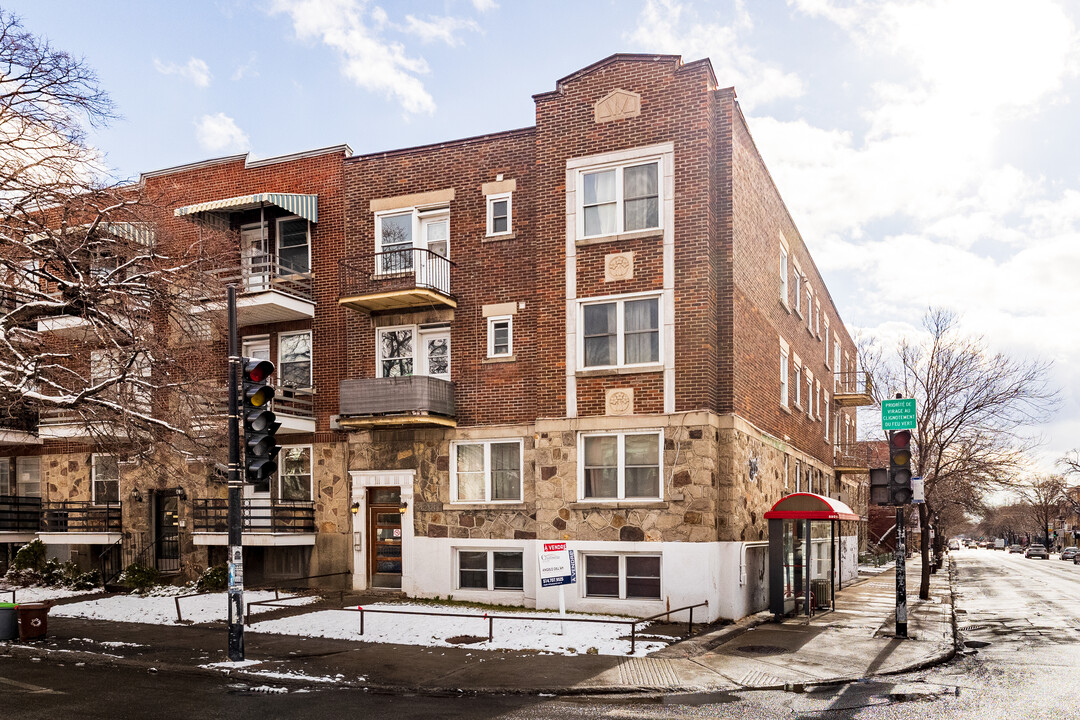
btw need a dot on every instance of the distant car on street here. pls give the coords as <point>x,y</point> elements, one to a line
<point>1016,549</point>
<point>954,544</point>
<point>1068,553</point>
<point>1038,551</point>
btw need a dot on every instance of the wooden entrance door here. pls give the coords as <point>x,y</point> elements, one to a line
<point>384,533</point>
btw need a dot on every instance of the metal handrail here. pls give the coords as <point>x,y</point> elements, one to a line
<point>81,516</point>
<point>211,515</point>
<point>557,618</point>
<point>407,267</point>
<point>263,273</point>
<point>20,514</point>
<point>857,382</point>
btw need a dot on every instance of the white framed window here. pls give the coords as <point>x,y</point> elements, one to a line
<point>619,198</point>
<point>486,471</point>
<point>500,214</point>
<point>490,569</point>
<point>105,479</point>
<point>620,466</point>
<point>809,308</point>
<point>500,336</point>
<point>797,283</point>
<point>798,476</point>
<point>817,399</point>
<point>798,381</point>
<point>294,473</point>
<point>28,476</point>
<point>783,274</point>
<point>783,375</point>
<point>817,318</point>
<point>619,332</point>
<point>404,350</point>
<point>786,458</point>
<point>825,338</point>
<point>294,359</point>
<point>809,394</point>
<point>836,355</point>
<point>826,398</point>
<point>624,576</point>
<point>402,236</point>
<point>293,245</point>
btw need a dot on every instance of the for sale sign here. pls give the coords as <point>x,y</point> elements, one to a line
<point>557,565</point>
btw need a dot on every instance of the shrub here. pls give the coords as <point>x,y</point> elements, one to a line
<point>31,556</point>
<point>212,579</point>
<point>139,578</point>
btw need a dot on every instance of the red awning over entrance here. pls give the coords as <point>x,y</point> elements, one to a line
<point>808,506</point>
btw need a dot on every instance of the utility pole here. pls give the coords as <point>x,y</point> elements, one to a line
<point>901,573</point>
<point>236,487</point>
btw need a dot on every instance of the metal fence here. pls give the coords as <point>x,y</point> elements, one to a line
<point>263,273</point>
<point>20,514</point>
<point>392,270</point>
<point>80,516</point>
<point>212,515</point>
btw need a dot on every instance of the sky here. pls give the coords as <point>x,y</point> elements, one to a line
<point>924,147</point>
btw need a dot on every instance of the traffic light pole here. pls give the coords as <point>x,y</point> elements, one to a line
<point>236,490</point>
<point>901,573</point>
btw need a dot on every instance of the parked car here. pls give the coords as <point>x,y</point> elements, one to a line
<point>954,544</point>
<point>1038,551</point>
<point>1068,553</point>
<point>1016,549</point>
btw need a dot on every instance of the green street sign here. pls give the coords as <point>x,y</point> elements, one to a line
<point>898,414</point>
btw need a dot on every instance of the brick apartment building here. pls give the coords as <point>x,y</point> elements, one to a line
<point>603,329</point>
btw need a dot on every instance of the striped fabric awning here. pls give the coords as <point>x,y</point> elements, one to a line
<point>305,206</point>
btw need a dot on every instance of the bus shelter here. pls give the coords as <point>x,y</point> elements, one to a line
<point>803,553</point>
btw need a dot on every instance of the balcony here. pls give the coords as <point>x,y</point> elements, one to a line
<point>266,522</point>
<point>852,458</point>
<point>413,400</point>
<point>19,429</point>
<point>62,423</point>
<point>293,407</point>
<point>80,523</point>
<point>853,389</point>
<point>20,518</point>
<point>396,280</point>
<point>267,292</point>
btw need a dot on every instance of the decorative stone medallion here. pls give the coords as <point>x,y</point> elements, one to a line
<point>617,105</point>
<point>618,266</point>
<point>620,401</point>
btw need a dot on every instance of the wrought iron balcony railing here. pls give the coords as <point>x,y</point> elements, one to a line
<point>263,273</point>
<point>395,279</point>
<point>19,514</point>
<point>259,515</point>
<point>80,517</point>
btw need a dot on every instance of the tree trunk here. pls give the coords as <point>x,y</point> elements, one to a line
<point>924,526</point>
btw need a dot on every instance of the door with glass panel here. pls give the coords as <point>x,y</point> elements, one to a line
<point>435,353</point>
<point>384,531</point>
<point>255,257</point>
<point>432,270</point>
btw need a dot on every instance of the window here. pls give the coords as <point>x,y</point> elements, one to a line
<point>797,277</point>
<point>499,209</point>
<point>295,474</point>
<point>28,477</point>
<point>488,471</point>
<point>628,577</point>
<point>491,570</point>
<point>809,308</point>
<point>400,354</point>
<point>294,358</point>
<point>784,376</point>
<point>785,471</point>
<point>621,466</point>
<point>817,399</point>
<point>826,415</point>
<point>825,338</point>
<point>620,332</point>
<point>396,352</point>
<point>619,199</point>
<point>394,239</point>
<point>809,394</point>
<point>783,275</point>
<point>817,318</point>
<point>836,354</point>
<point>798,382</point>
<point>106,479</point>
<point>798,476</point>
<point>294,245</point>
<point>500,336</point>
<point>134,390</point>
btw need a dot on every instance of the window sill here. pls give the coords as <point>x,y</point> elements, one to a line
<point>618,505</point>
<point>787,308</point>
<point>500,359</point>
<point>485,506</point>
<point>785,408</point>
<point>636,235</point>
<point>601,372</point>
<point>500,236</point>
<point>798,407</point>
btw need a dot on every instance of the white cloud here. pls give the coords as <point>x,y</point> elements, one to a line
<point>438,28</point>
<point>367,58</point>
<point>219,132</point>
<point>248,68</point>
<point>484,5</point>
<point>670,26</point>
<point>196,70</point>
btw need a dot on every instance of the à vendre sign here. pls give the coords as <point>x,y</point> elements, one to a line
<point>557,565</point>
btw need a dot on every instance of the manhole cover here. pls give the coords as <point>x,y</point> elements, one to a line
<point>975,644</point>
<point>762,649</point>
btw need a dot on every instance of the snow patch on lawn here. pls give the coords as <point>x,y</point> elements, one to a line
<point>161,609</point>
<point>43,594</point>
<point>435,631</point>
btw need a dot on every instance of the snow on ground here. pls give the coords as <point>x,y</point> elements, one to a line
<point>42,594</point>
<point>161,609</point>
<point>433,631</point>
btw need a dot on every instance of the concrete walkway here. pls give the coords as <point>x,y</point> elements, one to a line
<point>854,641</point>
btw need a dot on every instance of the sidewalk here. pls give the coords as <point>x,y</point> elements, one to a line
<point>852,642</point>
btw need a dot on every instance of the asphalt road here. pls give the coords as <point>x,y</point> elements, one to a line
<point>1020,617</point>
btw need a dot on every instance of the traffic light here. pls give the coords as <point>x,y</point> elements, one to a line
<point>260,424</point>
<point>899,467</point>
<point>879,486</point>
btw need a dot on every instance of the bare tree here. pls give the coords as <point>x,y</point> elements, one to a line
<point>1043,499</point>
<point>97,303</point>
<point>975,411</point>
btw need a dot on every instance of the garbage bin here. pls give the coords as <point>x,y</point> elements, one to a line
<point>822,593</point>
<point>9,624</point>
<point>33,620</point>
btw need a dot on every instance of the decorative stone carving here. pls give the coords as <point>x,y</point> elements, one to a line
<point>618,266</point>
<point>620,401</point>
<point>617,105</point>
